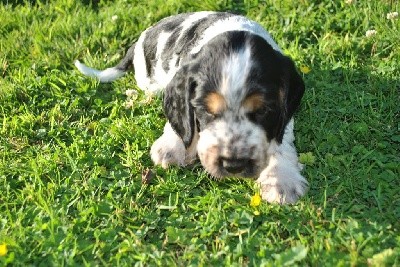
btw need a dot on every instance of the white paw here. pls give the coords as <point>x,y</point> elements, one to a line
<point>166,152</point>
<point>282,185</point>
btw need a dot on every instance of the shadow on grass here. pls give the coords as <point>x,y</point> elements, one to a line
<point>349,122</point>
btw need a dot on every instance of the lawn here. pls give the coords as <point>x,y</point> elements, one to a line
<point>73,151</point>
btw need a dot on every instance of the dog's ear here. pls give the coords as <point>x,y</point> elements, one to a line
<point>290,94</point>
<point>177,106</point>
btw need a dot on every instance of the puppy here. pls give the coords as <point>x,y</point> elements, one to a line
<point>229,97</point>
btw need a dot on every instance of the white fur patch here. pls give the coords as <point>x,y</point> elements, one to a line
<point>193,19</point>
<point>160,76</point>
<point>235,23</point>
<point>105,76</point>
<point>281,181</point>
<point>169,149</point>
<point>139,63</point>
<point>235,71</point>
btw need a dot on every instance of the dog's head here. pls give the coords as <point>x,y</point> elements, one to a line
<point>239,94</point>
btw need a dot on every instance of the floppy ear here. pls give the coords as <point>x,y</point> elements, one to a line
<point>177,106</point>
<point>291,92</point>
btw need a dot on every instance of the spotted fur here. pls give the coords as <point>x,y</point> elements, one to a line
<point>229,97</point>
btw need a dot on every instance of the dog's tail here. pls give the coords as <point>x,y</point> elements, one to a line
<point>109,74</point>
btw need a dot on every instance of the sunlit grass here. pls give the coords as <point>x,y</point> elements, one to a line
<point>72,151</point>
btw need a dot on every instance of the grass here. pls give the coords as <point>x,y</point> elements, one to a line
<point>72,155</point>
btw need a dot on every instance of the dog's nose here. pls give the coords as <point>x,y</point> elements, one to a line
<point>233,165</point>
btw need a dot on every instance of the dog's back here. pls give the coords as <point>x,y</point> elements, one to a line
<point>162,49</point>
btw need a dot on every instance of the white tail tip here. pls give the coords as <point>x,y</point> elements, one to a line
<point>104,76</point>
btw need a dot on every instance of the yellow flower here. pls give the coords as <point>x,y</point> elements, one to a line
<point>3,249</point>
<point>305,69</point>
<point>255,200</point>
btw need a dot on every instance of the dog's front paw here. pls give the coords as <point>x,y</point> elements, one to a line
<point>282,185</point>
<point>167,152</point>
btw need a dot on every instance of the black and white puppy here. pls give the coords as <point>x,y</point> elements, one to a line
<point>229,97</point>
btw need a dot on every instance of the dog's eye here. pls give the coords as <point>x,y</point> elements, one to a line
<point>258,114</point>
<point>213,115</point>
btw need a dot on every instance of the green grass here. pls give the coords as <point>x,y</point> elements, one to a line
<point>72,156</point>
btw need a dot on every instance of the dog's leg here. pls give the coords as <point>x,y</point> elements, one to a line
<point>281,180</point>
<point>169,149</point>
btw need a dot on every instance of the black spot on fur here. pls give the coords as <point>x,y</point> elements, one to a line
<point>150,41</point>
<point>275,76</point>
<point>295,194</point>
<point>251,150</point>
<point>181,43</point>
<point>177,107</point>
<point>169,50</point>
<point>127,62</point>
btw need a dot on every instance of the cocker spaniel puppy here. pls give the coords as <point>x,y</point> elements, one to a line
<point>229,97</point>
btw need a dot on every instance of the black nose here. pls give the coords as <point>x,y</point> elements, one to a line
<point>233,165</point>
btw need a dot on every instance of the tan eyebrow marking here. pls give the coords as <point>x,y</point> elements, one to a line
<point>215,103</point>
<point>253,102</point>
